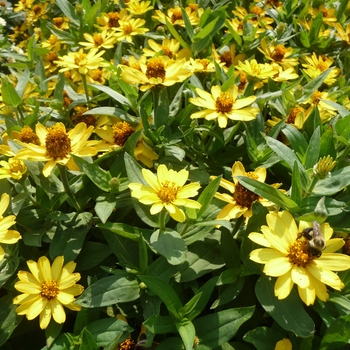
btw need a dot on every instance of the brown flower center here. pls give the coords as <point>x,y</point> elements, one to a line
<point>127,28</point>
<point>87,119</point>
<point>243,196</point>
<point>205,62</point>
<point>224,103</point>
<point>177,15</point>
<point>80,59</point>
<point>256,10</point>
<point>58,22</point>
<point>279,53</point>
<point>242,81</point>
<point>37,9</point>
<point>49,290</point>
<point>168,192</point>
<point>167,52</point>
<point>322,66</point>
<point>121,132</point>
<point>293,114</point>
<point>298,253</point>
<point>127,344</point>
<point>113,19</point>
<point>193,7</point>
<point>226,58</point>
<point>316,96</point>
<point>98,40</point>
<point>27,135</point>
<point>51,56</point>
<point>58,144</point>
<point>155,68</point>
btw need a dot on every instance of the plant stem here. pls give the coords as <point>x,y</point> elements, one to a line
<point>162,220</point>
<point>83,76</point>
<point>65,182</point>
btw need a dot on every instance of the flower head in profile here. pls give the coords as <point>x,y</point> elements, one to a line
<point>46,289</point>
<point>137,7</point>
<point>57,145</point>
<point>7,236</point>
<point>241,199</point>
<point>13,168</point>
<point>223,105</point>
<point>287,256</point>
<point>166,190</point>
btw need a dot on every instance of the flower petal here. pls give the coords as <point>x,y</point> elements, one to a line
<point>333,261</point>
<point>283,286</point>
<point>278,266</point>
<point>300,277</point>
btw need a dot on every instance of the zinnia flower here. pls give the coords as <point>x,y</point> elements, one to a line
<point>223,105</point>
<point>56,145</point>
<point>166,190</point>
<point>46,289</point>
<point>127,29</point>
<point>287,256</point>
<point>241,200</point>
<point>7,236</point>
<point>14,169</point>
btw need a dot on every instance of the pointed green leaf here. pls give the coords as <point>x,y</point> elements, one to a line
<point>187,332</point>
<point>9,94</point>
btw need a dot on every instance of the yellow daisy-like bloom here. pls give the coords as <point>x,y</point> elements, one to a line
<point>169,47</point>
<point>138,7</point>
<point>14,169</point>
<point>241,200</point>
<point>57,145</point>
<point>166,190</point>
<point>341,33</point>
<point>317,64</point>
<point>52,43</point>
<point>110,20</point>
<point>227,56</point>
<point>104,40</point>
<point>7,236</point>
<point>46,289</point>
<point>296,117</point>
<point>174,16</point>
<point>223,105</point>
<point>155,71</point>
<point>81,61</point>
<point>258,11</point>
<point>328,15</point>
<point>319,99</point>
<point>130,28</point>
<point>279,54</point>
<point>287,256</point>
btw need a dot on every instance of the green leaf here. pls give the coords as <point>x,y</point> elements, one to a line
<point>230,250</point>
<point>170,244</point>
<point>106,330</point>
<point>124,230</point>
<point>9,94</point>
<point>229,292</point>
<point>296,138</point>
<point>203,257</point>
<point>216,329</point>
<point>337,335</point>
<point>338,180</point>
<point>289,313</point>
<point>188,25</point>
<point>170,343</point>
<point>87,341</point>
<point>70,236</point>
<point>8,318</point>
<point>176,34</point>
<point>8,268</point>
<point>134,170</point>
<point>91,255</point>
<point>187,332</point>
<point>105,205</point>
<point>157,324</point>
<point>263,338</point>
<point>296,191</point>
<point>312,154</point>
<point>207,195</point>
<point>62,35</point>
<point>112,93</point>
<point>68,10</point>
<point>327,147</point>
<point>207,31</point>
<point>165,292</point>
<point>268,192</point>
<point>110,290</point>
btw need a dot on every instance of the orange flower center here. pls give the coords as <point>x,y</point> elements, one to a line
<point>316,96</point>
<point>53,40</point>
<point>27,135</point>
<point>17,166</point>
<point>293,114</point>
<point>98,40</point>
<point>37,9</point>
<point>80,59</point>
<point>205,62</point>
<point>87,119</point>
<point>226,58</point>
<point>193,7</point>
<point>256,10</point>
<point>242,81</point>
<point>51,56</point>
<point>322,66</point>
<point>298,253</point>
<point>177,15</point>
<point>113,19</point>
<point>127,344</point>
<point>58,22</point>
<point>243,196</point>
<point>155,68</point>
<point>58,144</point>
<point>279,53</point>
<point>121,132</point>
<point>224,103</point>
<point>49,290</point>
<point>127,28</point>
<point>168,192</point>
<point>167,52</point>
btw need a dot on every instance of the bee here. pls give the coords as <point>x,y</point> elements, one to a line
<point>316,240</point>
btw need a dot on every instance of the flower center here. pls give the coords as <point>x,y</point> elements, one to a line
<point>113,19</point>
<point>193,7</point>
<point>27,135</point>
<point>293,114</point>
<point>177,15</point>
<point>127,344</point>
<point>226,58</point>
<point>167,52</point>
<point>316,96</point>
<point>127,28</point>
<point>279,53</point>
<point>243,196</point>
<point>98,40</point>
<point>256,10</point>
<point>36,9</point>
<point>298,253</point>
<point>80,59</point>
<point>205,62</point>
<point>53,40</point>
<point>325,13</point>
<point>155,68</point>
<point>49,290</point>
<point>168,192</point>
<point>242,81</point>
<point>121,132</point>
<point>17,166</point>
<point>51,56</point>
<point>224,102</point>
<point>58,144</point>
<point>58,22</point>
<point>322,66</point>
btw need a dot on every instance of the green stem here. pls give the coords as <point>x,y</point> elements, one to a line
<point>83,76</point>
<point>183,231</point>
<point>311,187</point>
<point>162,220</point>
<point>65,182</point>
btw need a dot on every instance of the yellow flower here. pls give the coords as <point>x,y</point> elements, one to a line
<point>287,256</point>
<point>328,15</point>
<point>155,72</point>
<point>341,33</point>
<point>284,344</point>
<point>241,200</point>
<point>296,117</point>
<point>127,29</point>
<point>260,15</point>
<point>317,64</point>
<point>110,20</point>
<point>174,16</point>
<point>104,40</point>
<point>7,236</point>
<point>81,61</point>
<point>223,105</point>
<point>56,146</point>
<point>138,7</point>
<point>14,169</point>
<point>166,190</point>
<point>169,47</point>
<point>46,289</point>
<point>279,54</point>
<point>320,99</point>
<point>227,56</point>
<point>202,65</point>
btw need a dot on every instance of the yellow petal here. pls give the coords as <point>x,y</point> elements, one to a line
<point>300,277</point>
<point>275,239</point>
<point>333,245</point>
<point>151,179</point>
<point>278,266</point>
<point>45,317</point>
<point>320,288</point>
<point>283,286</point>
<point>333,261</point>
<point>28,288</point>
<point>178,215</point>
<point>259,238</point>
<point>57,311</point>
<point>56,268</point>
<point>4,203</point>
<point>307,294</point>
<point>264,255</point>
<point>36,308</point>
<point>34,269</point>
<point>45,268</point>
<point>325,276</point>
